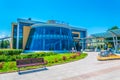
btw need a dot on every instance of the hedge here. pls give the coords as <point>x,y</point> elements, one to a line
<point>6,58</point>
<point>10,51</point>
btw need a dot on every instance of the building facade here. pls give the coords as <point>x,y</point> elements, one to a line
<point>45,36</point>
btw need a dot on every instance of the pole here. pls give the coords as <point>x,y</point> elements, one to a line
<point>116,43</point>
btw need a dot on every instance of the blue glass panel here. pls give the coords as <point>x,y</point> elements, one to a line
<point>49,38</point>
<point>21,25</point>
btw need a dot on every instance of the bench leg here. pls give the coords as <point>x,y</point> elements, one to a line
<point>44,66</point>
<point>19,70</point>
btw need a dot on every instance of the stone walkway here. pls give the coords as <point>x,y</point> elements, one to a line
<point>85,69</point>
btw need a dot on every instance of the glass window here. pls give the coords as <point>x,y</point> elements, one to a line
<point>14,36</point>
<point>51,40</point>
<point>21,25</point>
<point>75,35</point>
<point>14,43</point>
<point>52,30</point>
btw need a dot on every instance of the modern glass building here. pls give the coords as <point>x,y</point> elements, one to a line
<point>46,36</point>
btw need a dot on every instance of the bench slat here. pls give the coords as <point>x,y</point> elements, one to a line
<point>29,62</point>
<point>36,64</point>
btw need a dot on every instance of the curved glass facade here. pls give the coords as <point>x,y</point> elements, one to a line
<point>49,38</point>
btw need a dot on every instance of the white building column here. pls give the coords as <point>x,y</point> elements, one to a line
<point>17,45</point>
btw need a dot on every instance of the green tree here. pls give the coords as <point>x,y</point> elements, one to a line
<point>113,28</point>
<point>2,44</point>
<point>6,43</point>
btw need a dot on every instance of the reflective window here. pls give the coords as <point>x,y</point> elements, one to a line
<point>21,24</point>
<point>49,38</point>
<point>14,43</point>
<point>14,36</point>
<point>52,30</point>
<point>75,35</point>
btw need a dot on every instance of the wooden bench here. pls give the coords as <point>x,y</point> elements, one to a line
<point>29,62</point>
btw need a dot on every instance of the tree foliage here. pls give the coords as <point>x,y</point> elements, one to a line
<point>113,28</point>
<point>4,44</point>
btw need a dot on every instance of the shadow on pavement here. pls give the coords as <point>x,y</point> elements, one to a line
<point>32,71</point>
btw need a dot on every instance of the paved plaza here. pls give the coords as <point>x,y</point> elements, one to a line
<point>85,69</point>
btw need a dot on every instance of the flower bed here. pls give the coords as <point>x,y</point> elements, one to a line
<point>50,58</point>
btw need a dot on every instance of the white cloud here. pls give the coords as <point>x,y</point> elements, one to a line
<point>3,34</point>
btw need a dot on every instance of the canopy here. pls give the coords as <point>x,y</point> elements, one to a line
<point>108,34</point>
<point>4,38</point>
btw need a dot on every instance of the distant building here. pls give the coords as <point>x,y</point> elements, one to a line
<point>45,36</point>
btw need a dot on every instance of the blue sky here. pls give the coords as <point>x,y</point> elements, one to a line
<point>94,15</point>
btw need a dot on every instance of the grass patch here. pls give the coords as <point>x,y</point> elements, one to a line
<point>55,59</point>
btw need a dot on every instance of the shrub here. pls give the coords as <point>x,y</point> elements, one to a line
<point>10,51</point>
<point>51,62</point>
<point>12,58</point>
<point>41,54</point>
<point>55,60</point>
<point>11,65</point>
<point>46,62</point>
<point>78,53</point>
<point>64,58</point>
<point>1,52</point>
<point>1,65</point>
<point>6,58</point>
<point>3,58</point>
<point>49,53</point>
<point>30,55</point>
<point>73,56</point>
